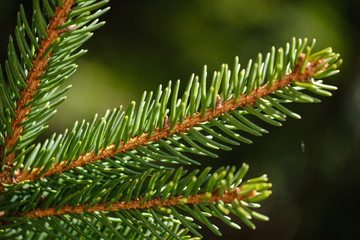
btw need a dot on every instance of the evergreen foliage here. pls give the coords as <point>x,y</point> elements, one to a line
<point>120,176</point>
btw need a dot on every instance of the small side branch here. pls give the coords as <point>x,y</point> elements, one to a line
<point>33,83</point>
<point>227,197</point>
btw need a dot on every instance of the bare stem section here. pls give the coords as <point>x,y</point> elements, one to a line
<point>188,122</point>
<point>33,83</point>
<point>227,197</point>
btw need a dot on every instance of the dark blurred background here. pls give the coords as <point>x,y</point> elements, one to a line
<point>147,43</point>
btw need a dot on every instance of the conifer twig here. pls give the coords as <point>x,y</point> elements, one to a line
<point>188,122</point>
<point>227,197</point>
<point>33,83</point>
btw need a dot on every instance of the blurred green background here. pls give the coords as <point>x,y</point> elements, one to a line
<point>147,43</point>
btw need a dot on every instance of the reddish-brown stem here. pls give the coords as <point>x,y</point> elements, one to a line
<point>33,83</point>
<point>178,128</point>
<point>227,197</point>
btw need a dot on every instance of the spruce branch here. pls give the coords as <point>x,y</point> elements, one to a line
<point>34,78</point>
<point>118,177</point>
<point>225,197</point>
<point>310,69</point>
<point>39,63</point>
<point>218,193</point>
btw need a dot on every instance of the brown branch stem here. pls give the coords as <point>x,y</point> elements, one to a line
<point>227,197</point>
<point>33,83</point>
